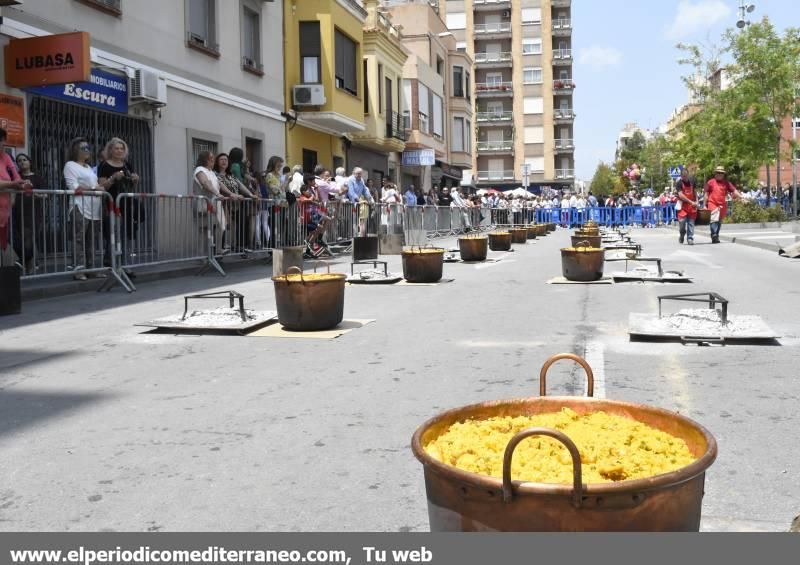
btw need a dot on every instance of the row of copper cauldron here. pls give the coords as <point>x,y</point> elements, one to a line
<point>462,501</point>
<point>585,260</point>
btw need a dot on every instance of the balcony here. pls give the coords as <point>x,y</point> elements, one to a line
<point>496,147</point>
<point>565,174</point>
<point>486,5</point>
<point>562,27</point>
<point>563,115</point>
<point>495,176</point>
<point>495,89</point>
<point>487,31</point>
<point>396,126</point>
<point>561,3</point>
<point>563,86</point>
<point>493,60</point>
<point>562,57</point>
<point>565,145</point>
<point>488,118</point>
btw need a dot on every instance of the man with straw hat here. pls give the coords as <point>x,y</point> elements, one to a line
<point>716,191</point>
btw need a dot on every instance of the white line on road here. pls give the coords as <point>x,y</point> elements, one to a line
<point>770,237</point>
<point>595,356</point>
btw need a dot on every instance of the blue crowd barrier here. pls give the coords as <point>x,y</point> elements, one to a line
<point>625,216</point>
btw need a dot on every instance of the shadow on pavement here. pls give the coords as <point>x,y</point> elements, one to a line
<point>19,358</point>
<point>21,409</point>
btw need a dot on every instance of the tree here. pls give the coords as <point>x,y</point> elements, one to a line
<point>766,72</point>
<point>603,180</point>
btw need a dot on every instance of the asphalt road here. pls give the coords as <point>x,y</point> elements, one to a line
<point>106,427</point>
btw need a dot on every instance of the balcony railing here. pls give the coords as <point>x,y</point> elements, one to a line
<point>562,54</point>
<point>494,87</point>
<point>564,114</point>
<point>495,116</point>
<point>395,126</point>
<point>498,146</point>
<point>561,3</point>
<point>565,174</point>
<point>562,23</point>
<point>497,3</point>
<point>495,176</point>
<point>500,57</point>
<point>565,144</point>
<point>563,84</point>
<point>499,27</point>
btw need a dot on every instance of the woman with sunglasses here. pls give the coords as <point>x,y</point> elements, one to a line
<point>86,212</point>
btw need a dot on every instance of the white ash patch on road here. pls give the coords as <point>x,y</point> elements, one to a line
<point>702,321</point>
<point>218,318</point>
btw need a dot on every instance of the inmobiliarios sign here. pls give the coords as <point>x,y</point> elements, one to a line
<point>49,59</point>
<point>103,90</point>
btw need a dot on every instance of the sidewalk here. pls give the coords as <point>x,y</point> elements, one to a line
<point>770,237</point>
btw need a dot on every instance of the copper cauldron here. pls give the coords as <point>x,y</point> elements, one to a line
<point>462,501</point>
<point>541,230</point>
<point>473,248</point>
<point>586,241</point>
<point>588,231</point>
<point>500,241</point>
<point>703,217</point>
<point>582,263</point>
<point>551,227</point>
<point>309,302</point>
<point>519,235</point>
<point>533,231</point>
<point>423,264</point>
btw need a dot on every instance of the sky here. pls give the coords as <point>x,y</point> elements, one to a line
<point>626,64</point>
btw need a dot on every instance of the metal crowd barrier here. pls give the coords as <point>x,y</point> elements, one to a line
<point>50,236</point>
<point>644,216</point>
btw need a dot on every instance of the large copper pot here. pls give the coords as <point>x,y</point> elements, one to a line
<point>473,248</point>
<point>582,263</point>
<point>533,231</point>
<point>587,240</point>
<point>519,235</point>
<point>309,302</point>
<point>703,217</point>
<point>463,501</point>
<point>588,231</point>
<point>423,264</point>
<point>541,230</point>
<point>500,241</point>
<point>551,227</point>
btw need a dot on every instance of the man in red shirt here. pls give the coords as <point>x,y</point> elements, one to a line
<point>716,191</point>
<point>687,196</point>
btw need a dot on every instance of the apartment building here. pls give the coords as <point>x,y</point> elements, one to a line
<point>523,89</point>
<point>437,98</point>
<point>193,78</point>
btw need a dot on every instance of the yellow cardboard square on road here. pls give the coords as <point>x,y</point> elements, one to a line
<point>276,330</point>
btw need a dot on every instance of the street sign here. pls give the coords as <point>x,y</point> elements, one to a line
<point>675,172</point>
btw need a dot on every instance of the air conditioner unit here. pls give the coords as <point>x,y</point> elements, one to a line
<point>507,14</point>
<point>150,87</point>
<point>308,95</point>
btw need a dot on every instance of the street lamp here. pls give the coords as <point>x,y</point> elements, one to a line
<point>744,9</point>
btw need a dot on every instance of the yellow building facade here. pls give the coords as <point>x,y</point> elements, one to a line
<point>324,80</point>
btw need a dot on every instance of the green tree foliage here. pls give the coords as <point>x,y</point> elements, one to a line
<point>603,180</point>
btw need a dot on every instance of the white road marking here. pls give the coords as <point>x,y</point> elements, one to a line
<point>595,356</point>
<point>771,237</point>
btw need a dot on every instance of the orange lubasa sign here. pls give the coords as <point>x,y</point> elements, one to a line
<point>49,59</point>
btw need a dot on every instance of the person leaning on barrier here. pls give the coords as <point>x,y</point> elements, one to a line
<point>716,191</point>
<point>276,187</point>
<point>116,169</point>
<point>235,210</point>
<point>357,190</point>
<point>86,212</point>
<point>27,215</point>
<point>205,183</point>
<point>410,196</point>
<point>9,181</point>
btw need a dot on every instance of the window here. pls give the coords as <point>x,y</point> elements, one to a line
<point>199,145</point>
<point>535,164</point>
<point>461,46</point>
<point>456,20</point>
<point>202,25</point>
<point>251,40</point>
<point>440,66</point>
<point>438,117</point>
<point>467,86</point>
<point>532,75</point>
<point>366,86</point>
<point>380,87</point>
<point>424,111</point>
<point>346,73</point>
<point>109,6</point>
<point>458,82</point>
<point>531,46</point>
<point>458,135</point>
<point>406,105</point>
<point>309,160</point>
<point>532,105</point>
<point>310,53</point>
<point>534,134</point>
<point>468,137</point>
<point>531,15</point>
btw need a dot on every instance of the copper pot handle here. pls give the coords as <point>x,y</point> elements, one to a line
<point>577,484</point>
<point>579,360</point>
<point>586,241</point>
<point>294,269</point>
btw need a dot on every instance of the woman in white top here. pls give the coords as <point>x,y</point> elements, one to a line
<point>86,212</point>
<point>205,183</point>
